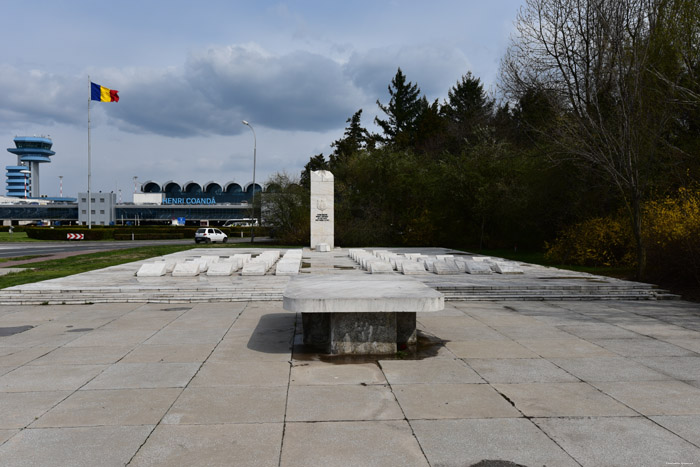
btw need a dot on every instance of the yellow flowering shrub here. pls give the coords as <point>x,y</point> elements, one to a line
<point>602,241</point>
<point>672,235</point>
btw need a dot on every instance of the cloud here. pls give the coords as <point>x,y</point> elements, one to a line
<point>434,68</point>
<point>217,87</point>
<point>37,97</point>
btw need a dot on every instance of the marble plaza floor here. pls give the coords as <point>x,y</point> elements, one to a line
<point>556,383</point>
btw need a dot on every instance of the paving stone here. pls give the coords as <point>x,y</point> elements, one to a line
<point>608,369</point>
<point>618,441</point>
<point>341,402</point>
<point>429,371</point>
<point>520,370</point>
<point>565,348</point>
<point>368,444</point>
<point>79,447</point>
<point>320,373</point>
<point>110,407</point>
<point>83,355</point>
<point>685,426</point>
<point>468,442</point>
<point>561,400</point>
<point>642,347</point>
<point>490,349</point>
<point>441,401</point>
<point>48,378</point>
<point>655,397</point>
<point>193,353</point>
<point>227,444</point>
<point>247,373</point>
<point>237,404</point>
<point>19,409</point>
<point>144,375</point>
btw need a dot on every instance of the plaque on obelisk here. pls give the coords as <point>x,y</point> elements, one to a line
<point>322,218</point>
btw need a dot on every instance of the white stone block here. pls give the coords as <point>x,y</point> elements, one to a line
<point>380,267</point>
<point>459,263</point>
<point>445,268</point>
<point>323,247</point>
<point>477,267</point>
<point>287,267</point>
<point>413,267</point>
<point>157,269</point>
<point>186,269</point>
<point>222,268</point>
<point>254,268</point>
<point>444,257</point>
<point>507,267</point>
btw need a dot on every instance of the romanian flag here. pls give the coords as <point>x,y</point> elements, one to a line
<point>102,94</point>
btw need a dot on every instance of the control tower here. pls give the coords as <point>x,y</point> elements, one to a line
<point>31,151</point>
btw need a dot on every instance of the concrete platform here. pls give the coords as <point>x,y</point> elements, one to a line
<point>556,383</point>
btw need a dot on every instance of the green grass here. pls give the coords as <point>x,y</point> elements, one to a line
<point>52,269</point>
<point>16,237</point>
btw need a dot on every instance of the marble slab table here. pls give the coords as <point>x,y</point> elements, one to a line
<point>360,314</point>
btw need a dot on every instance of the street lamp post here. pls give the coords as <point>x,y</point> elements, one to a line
<point>60,186</point>
<point>255,149</point>
<point>26,173</point>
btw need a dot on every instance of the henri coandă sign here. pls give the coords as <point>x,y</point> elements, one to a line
<point>189,201</point>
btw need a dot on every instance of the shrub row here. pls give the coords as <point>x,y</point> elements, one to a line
<point>125,233</point>
<point>671,233</point>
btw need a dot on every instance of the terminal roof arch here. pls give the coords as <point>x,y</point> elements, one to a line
<point>232,187</point>
<point>212,187</point>
<point>172,186</point>
<point>150,187</point>
<point>191,187</point>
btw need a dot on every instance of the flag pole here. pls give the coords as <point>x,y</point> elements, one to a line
<point>89,207</point>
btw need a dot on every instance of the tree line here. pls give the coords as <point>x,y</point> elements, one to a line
<point>598,113</point>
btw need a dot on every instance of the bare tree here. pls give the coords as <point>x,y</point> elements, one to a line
<point>610,66</point>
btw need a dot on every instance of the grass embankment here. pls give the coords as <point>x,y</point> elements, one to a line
<point>16,237</point>
<point>54,268</point>
<point>626,272</point>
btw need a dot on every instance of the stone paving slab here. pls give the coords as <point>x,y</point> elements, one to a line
<point>201,384</point>
<point>467,442</point>
<point>615,441</point>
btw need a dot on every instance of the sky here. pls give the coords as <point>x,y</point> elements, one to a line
<point>189,72</point>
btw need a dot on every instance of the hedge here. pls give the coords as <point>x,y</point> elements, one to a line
<point>125,233</point>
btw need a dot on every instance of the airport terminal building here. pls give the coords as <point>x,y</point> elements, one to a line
<point>189,203</point>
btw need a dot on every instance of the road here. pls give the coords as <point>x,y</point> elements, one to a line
<point>15,249</point>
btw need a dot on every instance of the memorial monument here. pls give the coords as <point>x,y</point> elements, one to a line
<point>322,216</point>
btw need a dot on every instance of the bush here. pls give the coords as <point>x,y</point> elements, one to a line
<point>672,236</point>
<point>602,241</point>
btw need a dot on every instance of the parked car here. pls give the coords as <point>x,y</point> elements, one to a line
<point>209,235</point>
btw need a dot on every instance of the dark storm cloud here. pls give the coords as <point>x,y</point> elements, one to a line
<point>218,87</point>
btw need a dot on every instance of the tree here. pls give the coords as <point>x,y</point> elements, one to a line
<point>317,162</point>
<point>355,139</point>
<point>285,207</point>
<point>609,66</point>
<point>403,110</point>
<point>467,109</point>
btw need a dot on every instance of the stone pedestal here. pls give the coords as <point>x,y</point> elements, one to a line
<point>360,333</point>
<point>322,213</point>
<point>359,315</point>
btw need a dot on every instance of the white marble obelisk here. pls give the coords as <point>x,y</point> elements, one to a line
<point>322,217</point>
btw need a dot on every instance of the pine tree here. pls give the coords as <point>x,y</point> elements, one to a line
<point>403,110</point>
